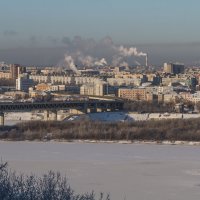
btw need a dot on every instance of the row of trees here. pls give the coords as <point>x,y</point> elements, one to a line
<point>175,129</point>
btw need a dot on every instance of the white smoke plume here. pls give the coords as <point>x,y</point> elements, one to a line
<point>90,61</point>
<point>116,60</point>
<point>91,53</point>
<point>125,64</point>
<point>127,52</point>
<point>137,63</point>
<point>101,62</point>
<point>70,63</point>
<point>86,60</point>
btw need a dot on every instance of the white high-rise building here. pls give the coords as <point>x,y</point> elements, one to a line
<point>23,83</point>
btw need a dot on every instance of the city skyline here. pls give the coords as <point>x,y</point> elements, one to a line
<point>167,30</point>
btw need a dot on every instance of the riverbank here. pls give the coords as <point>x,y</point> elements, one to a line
<point>125,142</point>
<point>156,131</point>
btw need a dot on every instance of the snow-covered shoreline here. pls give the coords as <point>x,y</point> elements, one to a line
<point>127,142</point>
<point>17,117</point>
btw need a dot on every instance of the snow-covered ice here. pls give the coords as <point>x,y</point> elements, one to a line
<point>126,171</point>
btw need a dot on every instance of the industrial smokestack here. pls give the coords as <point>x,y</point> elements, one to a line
<point>146,60</point>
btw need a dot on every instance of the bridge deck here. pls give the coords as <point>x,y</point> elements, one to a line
<point>56,105</point>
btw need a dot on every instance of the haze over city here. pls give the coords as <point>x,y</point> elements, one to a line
<point>41,32</point>
<point>99,99</point>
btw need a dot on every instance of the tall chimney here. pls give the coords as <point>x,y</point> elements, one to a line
<point>146,60</point>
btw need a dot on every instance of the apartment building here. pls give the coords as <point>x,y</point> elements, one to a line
<point>11,71</point>
<point>94,89</point>
<point>132,94</point>
<point>67,80</point>
<point>174,68</point>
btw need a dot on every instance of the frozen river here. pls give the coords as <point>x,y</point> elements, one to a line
<point>131,172</point>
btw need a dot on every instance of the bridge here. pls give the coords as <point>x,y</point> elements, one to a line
<point>54,106</point>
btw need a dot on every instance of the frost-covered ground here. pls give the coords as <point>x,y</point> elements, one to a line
<point>126,171</point>
<point>16,117</point>
<point>12,118</point>
<point>122,116</point>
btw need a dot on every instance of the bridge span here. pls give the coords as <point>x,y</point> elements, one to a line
<point>54,106</point>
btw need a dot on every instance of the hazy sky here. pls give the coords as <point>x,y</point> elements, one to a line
<point>44,23</point>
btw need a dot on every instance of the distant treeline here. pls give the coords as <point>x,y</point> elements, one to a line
<point>50,186</point>
<point>172,130</point>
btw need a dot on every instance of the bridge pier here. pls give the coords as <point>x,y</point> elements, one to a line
<point>93,110</point>
<point>99,110</point>
<point>46,115</point>
<point>90,109</point>
<point>77,112</point>
<point>50,115</point>
<point>87,110</point>
<point>104,110</point>
<point>54,115</point>
<point>1,119</point>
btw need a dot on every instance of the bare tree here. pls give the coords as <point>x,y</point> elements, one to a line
<point>51,186</point>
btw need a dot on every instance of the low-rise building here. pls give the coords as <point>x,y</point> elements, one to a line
<point>49,87</point>
<point>16,94</point>
<point>42,87</point>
